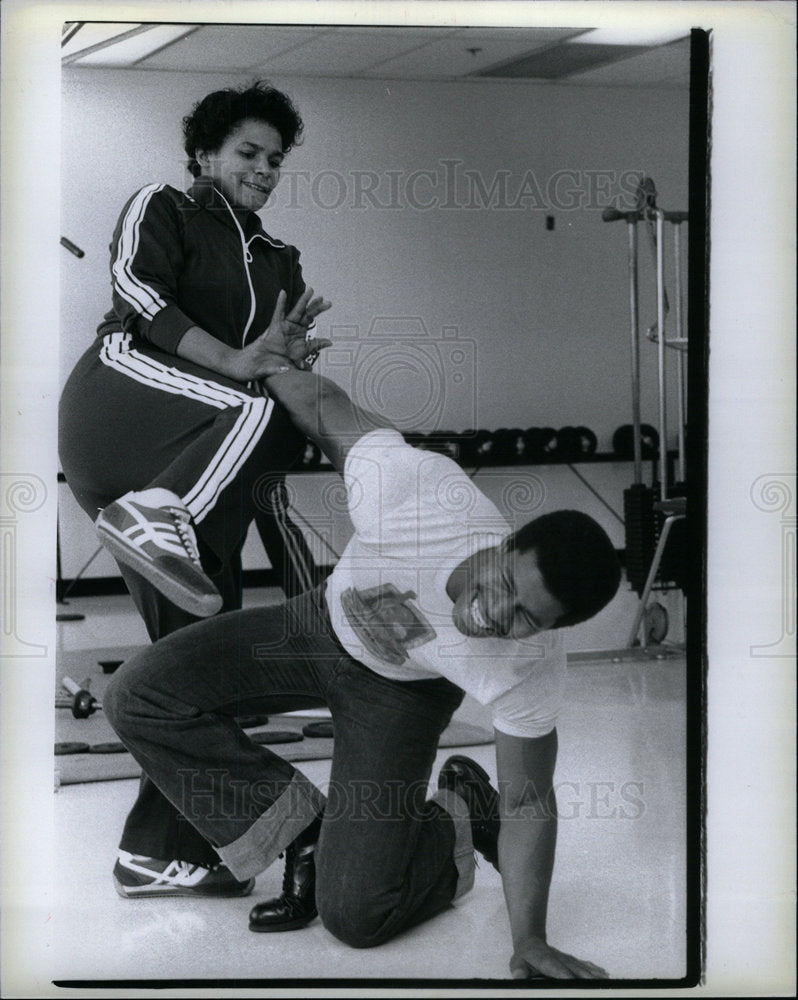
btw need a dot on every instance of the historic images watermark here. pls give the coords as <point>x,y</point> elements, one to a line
<point>774,494</point>
<point>20,494</point>
<point>217,795</point>
<point>449,184</point>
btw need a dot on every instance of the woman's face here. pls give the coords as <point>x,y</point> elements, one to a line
<point>246,167</point>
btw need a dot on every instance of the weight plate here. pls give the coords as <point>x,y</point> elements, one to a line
<point>318,729</point>
<point>311,457</point>
<point>547,441</point>
<point>108,748</point>
<point>251,721</point>
<point>623,441</point>
<point>587,440</point>
<point>656,623</point>
<point>467,447</point>
<point>61,749</point>
<point>277,736</point>
<point>109,666</point>
<point>565,443</point>
<point>484,447</point>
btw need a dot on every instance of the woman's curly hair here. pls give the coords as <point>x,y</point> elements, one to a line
<point>214,117</point>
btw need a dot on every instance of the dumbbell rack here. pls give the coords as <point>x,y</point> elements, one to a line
<point>639,504</point>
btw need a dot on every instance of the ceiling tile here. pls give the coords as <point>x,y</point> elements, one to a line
<point>665,66</point>
<point>451,56</point>
<point>229,47</point>
<point>350,51</point>
<point>559,62</point>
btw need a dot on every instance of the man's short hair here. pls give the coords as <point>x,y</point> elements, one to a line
<point>577,560</point>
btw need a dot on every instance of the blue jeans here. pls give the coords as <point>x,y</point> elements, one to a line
<point>388,857</point>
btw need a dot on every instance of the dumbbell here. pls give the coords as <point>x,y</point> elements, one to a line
<point>468,454</point>
<point>541,443</point>
<point>443,442</point>
<point>450,444</point>
<point>586,440</point>
<point>623,441</point>
<point>511,446</point>
<point>505,446</point>
<point>484,448</point>
<point>575,442</point>
<point>311,457</point>
<point>84,703</point>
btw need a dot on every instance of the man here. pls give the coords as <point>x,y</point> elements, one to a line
<point>433,596</point>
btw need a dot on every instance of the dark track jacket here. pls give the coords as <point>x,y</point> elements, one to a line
<point>189,259</point>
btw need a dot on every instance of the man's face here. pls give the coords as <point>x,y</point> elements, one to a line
<point>499,592</point>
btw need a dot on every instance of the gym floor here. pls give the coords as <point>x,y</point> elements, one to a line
<point>618,894</point>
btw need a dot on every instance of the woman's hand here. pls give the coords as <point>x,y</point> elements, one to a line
<point>297,324</point>
<point>284,345</point>
<point>306,309</point>
<point>287,335</point>
<point>255,361</point>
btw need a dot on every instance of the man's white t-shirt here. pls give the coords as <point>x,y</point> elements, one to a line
<point>416,517</point>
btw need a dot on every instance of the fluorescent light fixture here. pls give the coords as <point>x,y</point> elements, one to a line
<point>136,46</point>
<point>631,35</point>
<point>80,36</point>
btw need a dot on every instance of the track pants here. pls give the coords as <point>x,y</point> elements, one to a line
<point>132,417</point>
<point>388,856</point>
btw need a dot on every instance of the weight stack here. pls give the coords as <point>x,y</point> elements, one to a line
<point>641,534</point>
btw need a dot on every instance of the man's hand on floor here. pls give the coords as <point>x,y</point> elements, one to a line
<point>536,958</point>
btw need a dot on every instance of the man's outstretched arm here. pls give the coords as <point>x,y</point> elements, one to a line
<point>527,844</point>
<point>323,411</point>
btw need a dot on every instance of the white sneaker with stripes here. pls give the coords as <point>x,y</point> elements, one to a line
<point>160,544</point>
<point>136,876</point>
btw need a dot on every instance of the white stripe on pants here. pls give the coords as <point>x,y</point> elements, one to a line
<point>238,444</point>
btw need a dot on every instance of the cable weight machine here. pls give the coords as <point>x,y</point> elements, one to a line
<point>655,539</point>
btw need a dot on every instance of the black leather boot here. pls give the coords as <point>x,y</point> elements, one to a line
<point>296,907</point>
<point>471,782</point>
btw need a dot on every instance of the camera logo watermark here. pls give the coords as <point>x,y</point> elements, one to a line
<point>20,494</point>
<point>775,494</point>
<point>412,381</point>
<point>401,371</point>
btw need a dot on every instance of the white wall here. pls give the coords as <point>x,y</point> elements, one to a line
<point>541,316</point>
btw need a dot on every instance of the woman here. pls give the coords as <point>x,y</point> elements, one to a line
<point>163,427</point>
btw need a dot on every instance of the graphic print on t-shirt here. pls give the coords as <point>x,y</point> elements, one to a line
<point>386,622</point>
